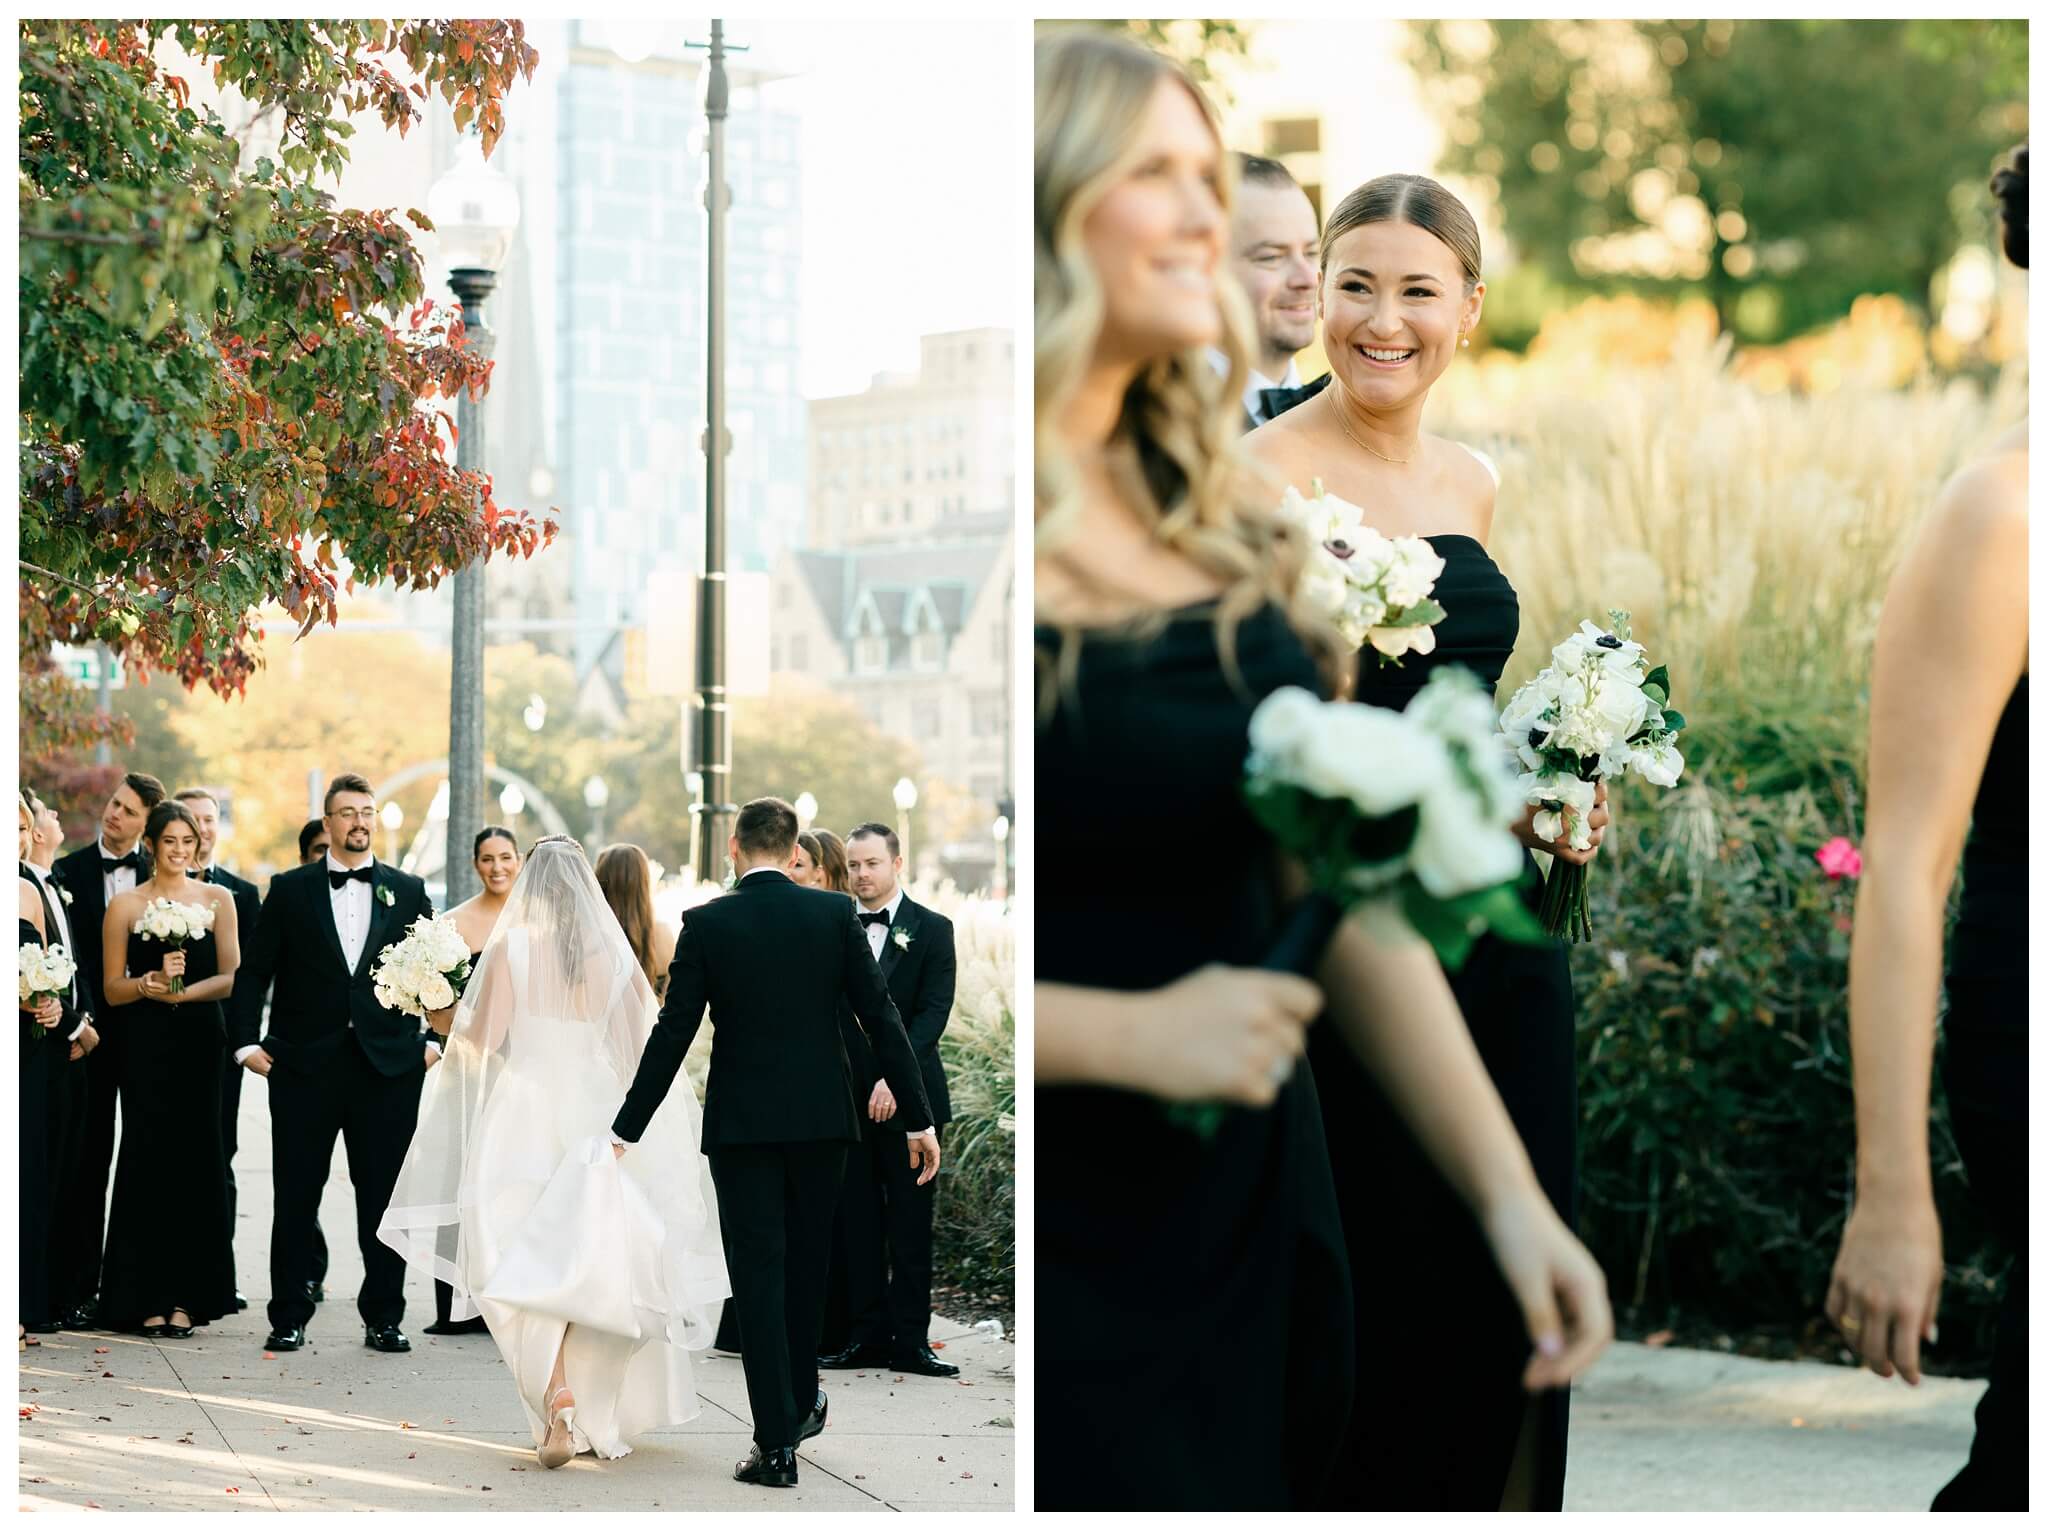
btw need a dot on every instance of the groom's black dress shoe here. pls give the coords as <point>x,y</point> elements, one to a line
<point>286,1339</point>
<point>814,1422</point>
<point>387,1337</point>
<point>855,1355</point>
<point>769,1469</point>
<point>922,1363</point>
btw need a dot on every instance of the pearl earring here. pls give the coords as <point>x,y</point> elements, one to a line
<point>1465,342</point>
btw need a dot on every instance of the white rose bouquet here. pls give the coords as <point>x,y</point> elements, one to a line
<point>1375,590</point>
<point>1596,710</point>
<point>1402,816</point>
<point>425,970</point>
<point>46,971</point>
<point>172,924</point>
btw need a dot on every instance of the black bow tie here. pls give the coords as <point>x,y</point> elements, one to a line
<point>343,879</point>
<point>879,917</point>
<point>132,860</point>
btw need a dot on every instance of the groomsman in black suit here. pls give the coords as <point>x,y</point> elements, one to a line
<point>886,1209</point>
<point>1274,250</point>
<point>63,1058</point>
<point>774,961</point>
<point>205,808</point>
<point>338,1062</point>
<point>93,874</point>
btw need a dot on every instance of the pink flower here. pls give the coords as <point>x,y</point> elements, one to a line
<point>1839,859</point>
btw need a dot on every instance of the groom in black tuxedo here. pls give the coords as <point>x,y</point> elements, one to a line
<point>337,1061</point>
<point>884,1208</point>
<point>774,961</point>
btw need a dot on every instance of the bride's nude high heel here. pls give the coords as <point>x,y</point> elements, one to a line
<point>559,1448</point>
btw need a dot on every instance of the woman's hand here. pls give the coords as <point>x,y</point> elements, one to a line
<point>174,963</point>
<point>49,1011</point>
<point>1221,1034</point>
<point>1886,1290</point>
<point>1560,1288</point>
<point>1597,821</point>
<point>152,986</point>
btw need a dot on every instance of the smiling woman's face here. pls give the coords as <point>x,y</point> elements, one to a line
<point>1157,236</point>
<point>1393,304</point>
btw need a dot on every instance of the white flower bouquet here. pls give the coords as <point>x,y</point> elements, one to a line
<point>1401,816</point>
<point>1596,710</point>
<point>425,970</point>
<point>1374,589</point>
<point>45,971</point>
<point>170,923</point>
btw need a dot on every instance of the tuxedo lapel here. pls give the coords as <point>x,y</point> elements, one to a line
<point>323,916</point>
<point>379,920</point>
<point>905,921</point>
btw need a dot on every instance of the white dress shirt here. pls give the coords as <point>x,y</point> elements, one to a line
<point>61,936</point>
<point>877,934</point>
<point>351,903</point>
<point>1257,383</point>
<point>120,879</point>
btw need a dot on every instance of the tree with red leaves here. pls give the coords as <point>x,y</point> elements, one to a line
<point>229,386</point>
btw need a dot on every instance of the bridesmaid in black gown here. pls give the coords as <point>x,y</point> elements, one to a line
<point>168,1264</point>
<point>1461,1346</point>
<point>1194,1341</point>
<point>1948,714</point>
<point>32,1299</point>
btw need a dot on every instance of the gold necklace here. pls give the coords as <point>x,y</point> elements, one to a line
<point>1345,426</point>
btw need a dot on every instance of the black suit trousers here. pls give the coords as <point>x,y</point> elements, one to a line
<point>230,1128</point>
<point>775,1203</point>
<point>33,1296</point>
<point>373,1113</point>
<point>78,1233</point>
<point>887,1218</point>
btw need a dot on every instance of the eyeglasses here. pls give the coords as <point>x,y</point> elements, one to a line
<point>360,815</point>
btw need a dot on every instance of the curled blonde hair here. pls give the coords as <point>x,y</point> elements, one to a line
<point>1174,453</point>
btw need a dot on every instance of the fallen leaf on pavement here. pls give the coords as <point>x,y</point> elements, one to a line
<point>938,1344</point>
<point>232,1489</point>
<point>967,1475</point>
<point>270,1355</point>
<point>99,1350</point>
<point>28,1409</point>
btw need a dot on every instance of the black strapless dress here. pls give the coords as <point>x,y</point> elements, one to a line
<point>1194,1314</point>
<point>168,1236</point>
<point>1436,1322</point>
<point>32,1298</point>
<point>1984,1070</point>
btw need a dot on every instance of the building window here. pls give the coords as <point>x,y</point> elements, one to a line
<point>926,720</point>
<point>871,655</point>
<point>986,721</point>
<point>928,651</point>
<point>1293,135</point>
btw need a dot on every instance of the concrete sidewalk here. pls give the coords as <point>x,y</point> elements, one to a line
<point>125,1423</point>
<point>1698,1430</point>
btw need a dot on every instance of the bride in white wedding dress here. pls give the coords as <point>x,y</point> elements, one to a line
<point>598,1276</point>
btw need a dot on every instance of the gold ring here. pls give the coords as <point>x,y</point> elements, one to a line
<point>1849,1323</point>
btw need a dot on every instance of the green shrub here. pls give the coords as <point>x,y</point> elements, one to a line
<point>974,1220</point>
<point>1717,1120</point>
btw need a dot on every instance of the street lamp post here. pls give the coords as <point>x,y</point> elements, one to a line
<point>1001,830</point>
<point>596,793</point>
<point>713,723</point>
<point>806,807</point>
<point>475,210</point>
<point>394,820</point>
<point>905,793</point>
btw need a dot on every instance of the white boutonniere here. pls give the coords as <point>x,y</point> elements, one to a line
<point>65,894</point>
<point>384,897</point>
<point>901,937</point>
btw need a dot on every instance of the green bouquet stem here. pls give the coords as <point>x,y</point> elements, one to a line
<point>1565,909</point>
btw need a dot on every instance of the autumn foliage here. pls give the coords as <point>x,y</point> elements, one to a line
<point>233,392</point>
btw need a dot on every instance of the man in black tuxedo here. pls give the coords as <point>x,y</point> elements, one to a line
<point>62,1059</point>
<point>1274,252</point>
<point>93,874</point>
<point>885,1209</point>
<point>774,961</point>
<point>337,1061</point>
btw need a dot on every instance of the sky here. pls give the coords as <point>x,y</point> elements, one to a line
<point>913,207</point>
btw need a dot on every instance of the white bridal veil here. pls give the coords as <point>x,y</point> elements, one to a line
<point>510,1191</point>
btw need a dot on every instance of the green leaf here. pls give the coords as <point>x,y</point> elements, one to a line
<point>1673,721</point>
